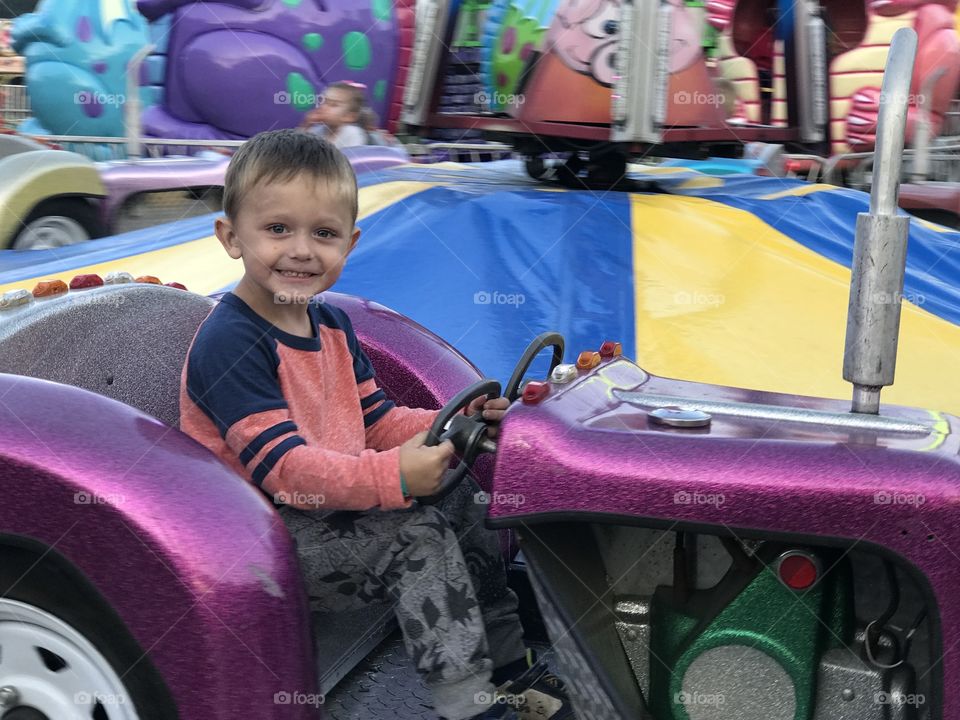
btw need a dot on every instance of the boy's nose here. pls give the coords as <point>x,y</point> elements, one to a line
<point>301,247</point>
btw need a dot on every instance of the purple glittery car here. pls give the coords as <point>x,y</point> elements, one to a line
<point>697,551</point>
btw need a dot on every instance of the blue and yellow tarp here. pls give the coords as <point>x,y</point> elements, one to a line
<point>737,280</point>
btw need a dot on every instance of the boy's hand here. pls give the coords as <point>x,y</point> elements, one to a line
<point>493,411</point>
<point>423,466</point>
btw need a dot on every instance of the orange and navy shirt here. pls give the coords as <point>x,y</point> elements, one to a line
<point>301,418</point>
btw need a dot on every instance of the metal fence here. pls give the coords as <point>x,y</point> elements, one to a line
<point>114,148</point>
<point>14,104</point>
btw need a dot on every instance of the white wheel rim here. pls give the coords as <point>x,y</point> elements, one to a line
<point>51,667</point>
<point>51,231</point>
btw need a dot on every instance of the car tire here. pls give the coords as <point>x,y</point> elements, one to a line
<point>58,222</point>
<point>56,631</point>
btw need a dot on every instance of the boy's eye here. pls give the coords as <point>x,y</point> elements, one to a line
<point>276,229</point>
<point>325,234</point>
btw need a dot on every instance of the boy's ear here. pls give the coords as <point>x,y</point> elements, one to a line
<point>353,240</point>
<point>227,237</point>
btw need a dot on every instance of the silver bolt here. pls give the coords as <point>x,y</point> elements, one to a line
<point>8,696</point>
<point>631,634</point>
<point>847,694</point>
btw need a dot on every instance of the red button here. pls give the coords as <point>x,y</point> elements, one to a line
<point>798,572</point>
<point>176,285</point>
<point>534,391</point>
<point>610,349</point>
<point>80,282</point>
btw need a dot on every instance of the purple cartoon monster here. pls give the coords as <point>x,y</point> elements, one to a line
<point>238,67</point>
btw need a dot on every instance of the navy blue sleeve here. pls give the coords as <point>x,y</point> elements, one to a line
<point>232,371</point>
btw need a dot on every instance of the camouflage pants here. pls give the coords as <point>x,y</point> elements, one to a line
<point>440,568</point>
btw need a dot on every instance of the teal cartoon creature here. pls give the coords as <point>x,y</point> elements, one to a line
<point>77,53</point>
<point>513,36</point>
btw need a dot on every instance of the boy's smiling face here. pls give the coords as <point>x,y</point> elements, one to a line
<point>294,238</point>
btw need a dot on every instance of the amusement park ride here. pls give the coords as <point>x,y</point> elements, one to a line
<point>698,552</point>
<point>605,81</point>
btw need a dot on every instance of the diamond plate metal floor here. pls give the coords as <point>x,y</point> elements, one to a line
<point>385,685</point>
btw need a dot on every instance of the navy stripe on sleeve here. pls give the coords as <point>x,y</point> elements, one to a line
<point>271,433</point>
<point>273,457</point>
<point>371,417</point>
<point>372,399</point>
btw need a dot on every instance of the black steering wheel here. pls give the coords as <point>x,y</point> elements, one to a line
<point>544,340</point>
<point>468,434</point>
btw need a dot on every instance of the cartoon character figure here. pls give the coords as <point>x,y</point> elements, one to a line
<point>76,54</point>
<point>234,68</point>
<point>580,65</point>
<point>750,59</point>
<point>855,106</point>
<point>857,37</point>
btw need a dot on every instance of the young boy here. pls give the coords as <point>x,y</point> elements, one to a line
<point>277,386</point>
<point>337,118</point>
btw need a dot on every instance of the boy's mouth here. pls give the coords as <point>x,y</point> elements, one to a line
<point>294,275</point>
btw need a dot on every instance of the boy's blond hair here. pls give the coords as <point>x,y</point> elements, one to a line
<point>281,156</point>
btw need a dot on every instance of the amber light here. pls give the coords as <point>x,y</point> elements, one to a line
<point>588,359</point>
<point>49,288</point>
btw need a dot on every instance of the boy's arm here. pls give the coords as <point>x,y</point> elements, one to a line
<point>242,399</point>
<point>387,424</point>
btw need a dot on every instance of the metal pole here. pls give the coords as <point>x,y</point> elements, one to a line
<point>131,106</point>
<point>880,246</point>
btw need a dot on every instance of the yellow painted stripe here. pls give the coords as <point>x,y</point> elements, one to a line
<point>700,183</point>
<point>202,265</point>
<point>721,297</point>
<point>799,191</point>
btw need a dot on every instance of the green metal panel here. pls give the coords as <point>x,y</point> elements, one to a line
<point>794,628</point>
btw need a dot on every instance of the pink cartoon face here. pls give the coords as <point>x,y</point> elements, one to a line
<point>584,36</point>
<point>684,38</point>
